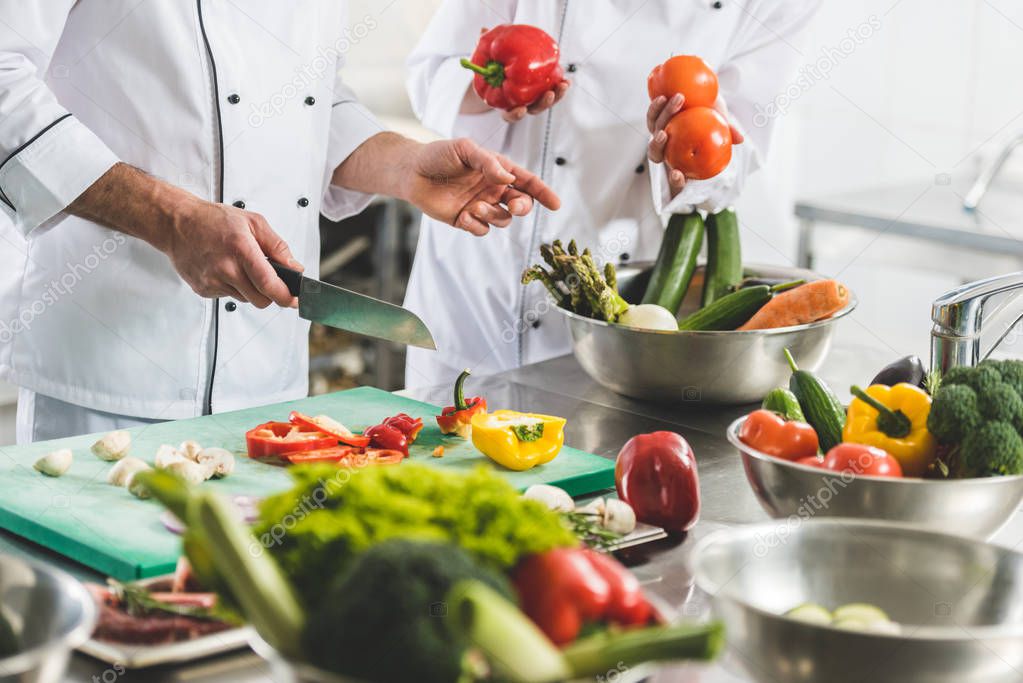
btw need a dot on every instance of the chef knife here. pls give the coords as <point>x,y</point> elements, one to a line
<point>338,307</point>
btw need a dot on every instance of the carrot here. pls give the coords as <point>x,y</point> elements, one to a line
<point>813,301</point>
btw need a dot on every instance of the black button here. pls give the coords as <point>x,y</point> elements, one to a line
<point>572,68</point>
<point>536,324</point>
<point>560,161</point>
<point>233,98</point>
<point>624,257</point>
<point>240,204</point>
<point>230,307</point>
<point>303,202</point>
<point>310,100</point>
<point>716,4</point>
<point>640,168</point>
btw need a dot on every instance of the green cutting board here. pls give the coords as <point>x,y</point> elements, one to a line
<point>106,528</point>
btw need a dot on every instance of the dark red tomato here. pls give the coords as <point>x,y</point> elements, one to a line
<point>388,438</point>
<point>860,459</point>
<point>699,143</point>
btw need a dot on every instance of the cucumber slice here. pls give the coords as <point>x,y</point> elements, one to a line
<point>810,612</point>
<point>860,611</point>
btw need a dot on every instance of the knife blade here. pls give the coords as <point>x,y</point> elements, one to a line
<point>344,309</point>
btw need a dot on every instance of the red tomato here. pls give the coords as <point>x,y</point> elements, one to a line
<point>860,459</point>
<point>810,461</point>
<point>686,74</point>
<point>772,434</point>
<point>273,439</point>
<point>388,438</point>
<point>329,425</point>
<point>699,143</point>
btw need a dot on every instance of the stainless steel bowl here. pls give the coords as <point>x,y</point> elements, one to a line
<point>970,507</point>
<point>708,367</point>
<point>47,614</point>
<point>959,602</point>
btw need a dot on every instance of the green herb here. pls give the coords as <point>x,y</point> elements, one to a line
<point>137,601</point>
<point>528,432</point>
<point>589,530</point>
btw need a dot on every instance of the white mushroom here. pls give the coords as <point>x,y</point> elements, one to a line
<point>619,516</point>
<point>594,508</point>
<point>137,489</point>
<point>122,472</point>
<point>553,497</point>
<point>191,472</point>
<point>190,449</point>
<point>167,455</point>
<point>220,461</point>
<point>112,446</point>
<point>54,464</point>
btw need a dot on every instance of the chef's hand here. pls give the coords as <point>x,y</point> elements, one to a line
<point>546,101</point>
<point>462,184</point>
<point>660,111</point>
<point>221,250</point>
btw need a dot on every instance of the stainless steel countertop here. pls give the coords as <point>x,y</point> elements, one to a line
<point>600,422</point>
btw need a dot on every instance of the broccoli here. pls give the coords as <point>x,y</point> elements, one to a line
<point>993,448</point>
<point>385,619</point>
<point>978,411</point>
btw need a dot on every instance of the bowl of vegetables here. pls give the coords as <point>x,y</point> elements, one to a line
<point>674,330</point>
<point>849,600</point>
<point>948,457</point>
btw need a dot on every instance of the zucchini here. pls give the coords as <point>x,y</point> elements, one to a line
<point>732,310</point>
<point>785,403</point>
<point>823,411</point>
<point>676,262</point>
<point>724,256</point>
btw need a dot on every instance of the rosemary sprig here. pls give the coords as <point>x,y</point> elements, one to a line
<point>587,527</point>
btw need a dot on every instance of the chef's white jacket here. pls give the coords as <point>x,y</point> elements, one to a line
<point>237,102</point>
<point>591,148</point>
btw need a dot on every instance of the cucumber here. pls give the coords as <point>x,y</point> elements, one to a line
<point>823,411</point>
<point>676,262</point>
<point>732,310</point>
<point>724,256</point>
<point>785,403</point>
<point>810,612</point>
<point>861,611</point>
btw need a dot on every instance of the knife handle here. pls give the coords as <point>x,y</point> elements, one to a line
<point>292,278</point>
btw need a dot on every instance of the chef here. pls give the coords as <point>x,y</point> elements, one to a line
<point>596,140</point>
<point>152,156</point>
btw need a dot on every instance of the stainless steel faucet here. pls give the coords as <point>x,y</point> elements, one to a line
<point>970,321</point>
<point>988,173</point>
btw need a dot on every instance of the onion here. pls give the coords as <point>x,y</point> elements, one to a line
<point>648,317</point>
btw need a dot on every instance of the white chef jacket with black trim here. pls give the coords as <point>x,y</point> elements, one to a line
<point>235,102</point>
<point>591,148</point>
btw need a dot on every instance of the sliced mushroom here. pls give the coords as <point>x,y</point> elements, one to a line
<point>618,517</point>
<point>123,471</point>
<point>553,497</point>
<point>219,461</point>
<point>112,446</point>
<point>167,455</point>
<point>190,449</point>
<point>54,464</point>
<point>191,472</point>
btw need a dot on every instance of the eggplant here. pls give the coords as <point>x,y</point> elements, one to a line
<point>908,369</point>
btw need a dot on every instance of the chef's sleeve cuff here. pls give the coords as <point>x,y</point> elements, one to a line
<point>351,125</point>
<point>52,169</point>
<point>711,195</point>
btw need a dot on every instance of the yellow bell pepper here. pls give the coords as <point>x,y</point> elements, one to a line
<point>893,419</point>
<point>516,440</point>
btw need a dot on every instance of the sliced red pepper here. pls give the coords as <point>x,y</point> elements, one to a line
<point>329,425</point>
<point>332,454</point>
<point>406,424</point>
<point>457,419</point>
<point>275,439</point>
<point>387,437</point>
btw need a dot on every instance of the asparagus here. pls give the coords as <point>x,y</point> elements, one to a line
<point>537,273</point>
<point>611,275</point>
<point>591,291</point>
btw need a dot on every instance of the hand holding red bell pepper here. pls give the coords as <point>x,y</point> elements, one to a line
<point>515,64</point>
<point>656,474</point>
<point>770,433</point>
<point>457,419</point>
<point>564,589</point>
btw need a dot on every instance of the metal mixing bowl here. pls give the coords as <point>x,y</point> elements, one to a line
<point>970,507</point>
<point>959,602</point>
<point>709,367</point>
<point>47,614</point>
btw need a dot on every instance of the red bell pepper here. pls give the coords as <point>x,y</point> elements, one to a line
<point>275,439</point>
<point>387,437</point>
<point>406,424</point>
<point>628,607</point>
<point>457,419</point>
<point>329,425</point>
<point>656,474</point>
<point>333,454</point>
<point>515,64</point>
<point>770,433</point>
